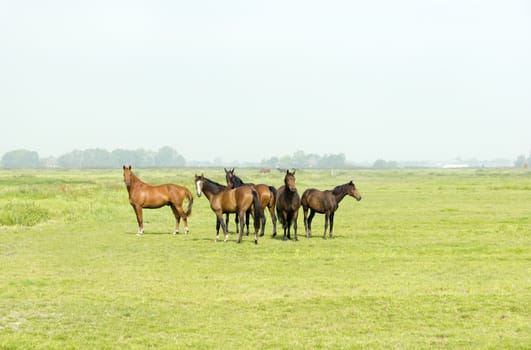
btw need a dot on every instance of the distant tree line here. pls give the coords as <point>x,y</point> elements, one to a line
<point>95,158</point>
<point>300,159</point>
<point>522,161</point>
<point>169,157</point>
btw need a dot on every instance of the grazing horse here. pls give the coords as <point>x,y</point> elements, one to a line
<point>266,195</point>
<point>142,195</point>
<point>325,202</point>
<point>288,203</point>
<point>223,200</point>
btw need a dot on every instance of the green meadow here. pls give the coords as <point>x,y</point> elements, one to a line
<point>429,258</point>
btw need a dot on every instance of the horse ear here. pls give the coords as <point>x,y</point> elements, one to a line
<point>129,167</point>
<point>124,167</point>
<point>351,183</point>
<point>294,170</point>
<point>226,171</point>
<point>232,171</point>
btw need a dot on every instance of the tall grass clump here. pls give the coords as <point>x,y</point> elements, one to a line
<point>23,214</point>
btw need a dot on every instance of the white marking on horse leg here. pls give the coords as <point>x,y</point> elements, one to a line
<point>140,231</point>
<point>217,238</point>
<point>176,231</point>
<point>186,230</point>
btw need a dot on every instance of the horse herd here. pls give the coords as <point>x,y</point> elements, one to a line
<point>243,199</point>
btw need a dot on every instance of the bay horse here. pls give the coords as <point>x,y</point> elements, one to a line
<point>223,200</point>
<point>325,202</point>
<point>287,204</point>
<point>143,195</point>
<point>266,195</point>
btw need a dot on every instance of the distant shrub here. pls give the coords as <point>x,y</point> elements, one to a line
<point>22,213</point>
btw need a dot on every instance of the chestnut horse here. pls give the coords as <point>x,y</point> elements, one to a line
<point>142,195</point>
<point>325,202</point>
<point>223,200</point>
<point>288,203</point>
<point>266,195</point>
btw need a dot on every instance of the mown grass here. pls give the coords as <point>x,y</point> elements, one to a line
<point>428,259</point>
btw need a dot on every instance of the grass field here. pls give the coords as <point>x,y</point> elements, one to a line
<point>427,259</point>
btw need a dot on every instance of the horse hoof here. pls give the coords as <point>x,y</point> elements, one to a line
<point>255,241</point>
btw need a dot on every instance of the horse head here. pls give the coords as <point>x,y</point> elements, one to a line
<point>199,182</point>
<point>128,175</point>
<point>352,191</point>
<point>289,180</point>
<point>229,176</point>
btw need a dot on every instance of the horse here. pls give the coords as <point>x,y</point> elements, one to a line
<point>325,202</point>
<point>143,195</point>
<point>266,195</point>
<point>287,204</point>
<point>223,200</point>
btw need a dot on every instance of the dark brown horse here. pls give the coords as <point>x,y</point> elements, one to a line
<point>288,203</point>
<point>223,200</point>
<point>266,195</point>
<point>142,195</point>
<point>325,202</point>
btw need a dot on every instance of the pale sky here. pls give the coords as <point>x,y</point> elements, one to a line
<point>248,80</point>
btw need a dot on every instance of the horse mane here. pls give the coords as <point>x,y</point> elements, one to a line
<point>136,179</point>
<point>340,189</point>
<point>219,187</point>
<point>236,181</point>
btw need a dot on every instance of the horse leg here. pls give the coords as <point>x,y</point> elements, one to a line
<point>186,229</point>
<point>331,224</point>
<point>177,218</point>
<point>241,214</point>
<point>273,220</point>
<point>220,222</point>
<point>217,228</point>
<point>279,219</point>
<point>310,218</point>
<point>224,227</point>
<point>236,222</point>
<point>227,220</point>
<point>247,216</point>
<point>305,212</point>
<point>327,218</point>
<point>286,226</point>
<point>182,214</point>
<point>138,213</point>
<point>295,224</point>
<point>263,222</point>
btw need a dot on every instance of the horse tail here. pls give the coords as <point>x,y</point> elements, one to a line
<point>257,210</point>
<point>190,202</point>
<point>273,197</point>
